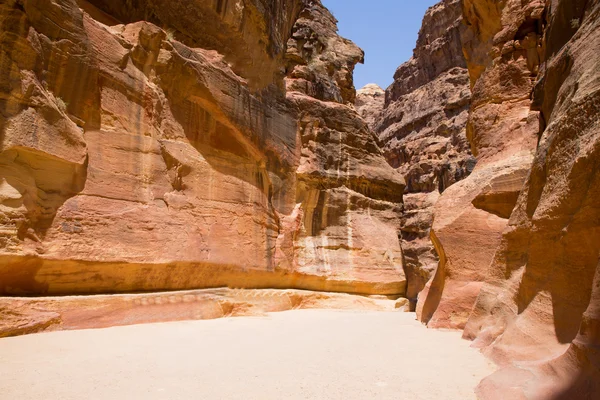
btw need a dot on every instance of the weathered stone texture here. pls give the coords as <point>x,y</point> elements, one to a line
<point>320,63</point>
<point>150,148</point>
<point>25,315</point>
<point>421,127</point>
<point>250,34</point>
<point>502,129</point>
<point>369,103</point>
<point>518,239</point>
<point>540,302</point>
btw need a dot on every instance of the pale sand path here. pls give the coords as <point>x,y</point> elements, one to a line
<point>303,354</point>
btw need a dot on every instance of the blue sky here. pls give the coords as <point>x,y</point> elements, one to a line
<point>385,29</point>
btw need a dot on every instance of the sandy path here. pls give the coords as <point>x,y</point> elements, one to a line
<point>304,354</point>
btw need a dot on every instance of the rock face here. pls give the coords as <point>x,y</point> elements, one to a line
<point>519,239</point>
<point>369,103</point>
<point>137,158</point>
<point>470,216</point>
<point>148,146</point>
<point>24,315</point>
<point>421,126</point>
<point>540,302</point>
<point>250,34</point>
<point>320,63</point>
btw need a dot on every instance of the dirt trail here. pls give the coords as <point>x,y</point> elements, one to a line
<point>303,354</point>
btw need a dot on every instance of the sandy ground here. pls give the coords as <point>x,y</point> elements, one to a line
<point>304,354</point>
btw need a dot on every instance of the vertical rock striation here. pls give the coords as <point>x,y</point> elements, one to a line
<point>518,239</point>
<point>348,201</point>
<point>154,145</point>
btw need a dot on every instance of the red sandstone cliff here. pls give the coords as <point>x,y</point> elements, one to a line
<point>145,148</point>
<point>538,312</point>
<point>148,148</point>
<point>421,126</point>
<point>500,43</point>
<point>518,239</point>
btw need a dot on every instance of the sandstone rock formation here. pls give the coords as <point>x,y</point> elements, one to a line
<point>250,34</point>
<point>518,239</point>
<point>153,146</point>
<point>369,103</point>
<point>470,216</point>
<point>539,306</point>
<point>24,315</point>
<point>148,146</point>
<point>421,127</point>
<point>347,199</point>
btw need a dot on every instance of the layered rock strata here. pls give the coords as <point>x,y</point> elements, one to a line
<point>421,126</point>
<point>518,239</point>
<point>502,56</point>
<point>369,103</point>
<point>538,311</point>
<point>147,147</point>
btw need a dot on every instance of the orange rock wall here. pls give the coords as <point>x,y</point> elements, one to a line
<point>140,151</point>
<point>519,239</point>
<point>420,121</point>
<point>540,302</point>
<point>471,215</point>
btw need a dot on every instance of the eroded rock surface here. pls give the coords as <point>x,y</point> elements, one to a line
<point>421,126</point>
<point>538,311</point>
<point>501,43</point>
<point>369,103</point>
<point>23,315</point>
<point>148,147</point>
<point>151,148</point>
<point>518,239</point>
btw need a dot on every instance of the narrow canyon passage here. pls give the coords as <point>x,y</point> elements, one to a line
<point>298,354</point>
<point>177,163</point>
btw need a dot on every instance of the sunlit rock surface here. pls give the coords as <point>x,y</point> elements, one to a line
<point>538,311</point>
<point>421,126</point>
<point>24,315</point>
<point>518,239</point>
<point>181,146</point>
<point>471,215</point>
<point>148,147</point>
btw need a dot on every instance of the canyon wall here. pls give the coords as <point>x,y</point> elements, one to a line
<point>421,126</point>
<point>537,314</point>
<point>152,145</point>
<point>518,239</point>
<point>501,51</point>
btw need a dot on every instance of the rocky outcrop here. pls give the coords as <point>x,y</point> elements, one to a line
<point>155,147</point>
<point>421,126</point>
<point>470,216</point>
<point>250,34</point>
<point>346,200</point>
<point>147,147</point>
<point>538,311</point>
<point>369,103</point>
<point>320,63</point>
<point>518,239</point>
